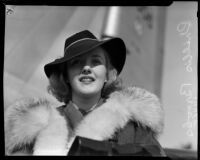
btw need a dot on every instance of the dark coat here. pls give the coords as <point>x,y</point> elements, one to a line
<point>128,123</point>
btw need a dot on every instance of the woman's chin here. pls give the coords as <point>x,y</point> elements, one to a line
<point>88,91</point>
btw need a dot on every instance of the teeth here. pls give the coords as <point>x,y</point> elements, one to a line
<point>86,79</point>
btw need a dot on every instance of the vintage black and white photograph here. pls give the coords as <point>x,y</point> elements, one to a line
<point>101,80</point>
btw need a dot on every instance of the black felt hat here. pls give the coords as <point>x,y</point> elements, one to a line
<point>84,41</point>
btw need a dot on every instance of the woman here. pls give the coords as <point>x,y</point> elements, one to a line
<point>97,108</point>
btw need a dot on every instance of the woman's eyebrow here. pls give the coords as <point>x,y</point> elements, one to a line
<point>96,56</point>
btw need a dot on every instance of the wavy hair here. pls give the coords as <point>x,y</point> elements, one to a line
<point>62,90</point>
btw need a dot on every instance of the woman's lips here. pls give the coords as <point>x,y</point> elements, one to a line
<point>86,79</point>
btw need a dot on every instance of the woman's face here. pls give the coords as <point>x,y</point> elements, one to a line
<point>87,73</point>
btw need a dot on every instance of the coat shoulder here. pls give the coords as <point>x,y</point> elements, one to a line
<point>24,119</point>
<point>141,105</point>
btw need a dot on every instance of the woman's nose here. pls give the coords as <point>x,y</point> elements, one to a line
<point>86,69</point>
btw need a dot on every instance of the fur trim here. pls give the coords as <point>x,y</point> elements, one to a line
<point>37,119</point>
<point>30,119</point>
<point>129,104</point>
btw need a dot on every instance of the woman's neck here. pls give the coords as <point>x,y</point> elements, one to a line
<point>86,103</point>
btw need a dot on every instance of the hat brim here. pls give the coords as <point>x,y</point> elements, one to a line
<point>115,48</point>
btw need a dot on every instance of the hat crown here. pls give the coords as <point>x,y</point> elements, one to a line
<point>78,36</point>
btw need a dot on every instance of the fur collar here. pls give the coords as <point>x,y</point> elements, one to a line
<point>30,120</point>
<point>129,104</point>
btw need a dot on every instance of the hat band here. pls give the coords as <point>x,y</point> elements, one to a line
<point>79,41</point>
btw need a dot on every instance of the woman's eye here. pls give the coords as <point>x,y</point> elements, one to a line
<point>74,62</point>
<point>96,61</point>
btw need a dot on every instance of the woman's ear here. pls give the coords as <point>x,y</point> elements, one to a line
<point>112,75</point>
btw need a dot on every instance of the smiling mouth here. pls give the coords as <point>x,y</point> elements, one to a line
<point>86,79</point>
